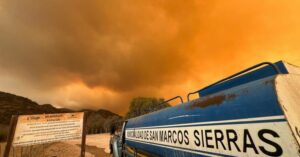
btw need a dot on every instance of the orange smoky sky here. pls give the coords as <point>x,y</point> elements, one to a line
<point>102,53</point>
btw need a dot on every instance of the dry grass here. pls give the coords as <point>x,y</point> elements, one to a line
<point>95,146</point>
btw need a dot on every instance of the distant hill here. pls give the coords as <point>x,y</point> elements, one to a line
<point>10,104</point>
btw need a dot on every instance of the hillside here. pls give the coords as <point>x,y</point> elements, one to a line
<point>10,104</point>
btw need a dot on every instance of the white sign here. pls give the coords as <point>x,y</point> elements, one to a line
<point>45,128</point>
<point>266,136</point>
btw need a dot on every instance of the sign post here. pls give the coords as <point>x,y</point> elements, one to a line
<point>11,133</point>
<point>28,130</point>
<point>83,139</point>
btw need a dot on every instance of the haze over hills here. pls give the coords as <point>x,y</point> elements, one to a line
<point>10,104</point>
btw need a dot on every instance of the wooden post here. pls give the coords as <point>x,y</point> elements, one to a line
<point>30,148</point>
<point>11,134</point>
<point>83,140</point>
<point>21,151</point>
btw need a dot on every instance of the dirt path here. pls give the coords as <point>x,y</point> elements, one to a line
<point>97,152</point>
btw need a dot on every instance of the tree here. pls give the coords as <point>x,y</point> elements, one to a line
<point>141,105</point>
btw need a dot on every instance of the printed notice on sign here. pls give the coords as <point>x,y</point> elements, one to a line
<point>45,128</point>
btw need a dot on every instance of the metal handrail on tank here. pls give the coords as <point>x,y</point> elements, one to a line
<point>176,97</point>
<point>276,69</point>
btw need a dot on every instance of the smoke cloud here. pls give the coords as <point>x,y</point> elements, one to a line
<point>101,54</point>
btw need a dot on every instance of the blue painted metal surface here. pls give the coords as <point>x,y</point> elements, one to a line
<point>249,96</point>
<point>230,104</point>
<point>251,76</point>
<point>252,100</point>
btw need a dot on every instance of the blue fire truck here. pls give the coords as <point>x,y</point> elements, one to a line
<point>255,112</point>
